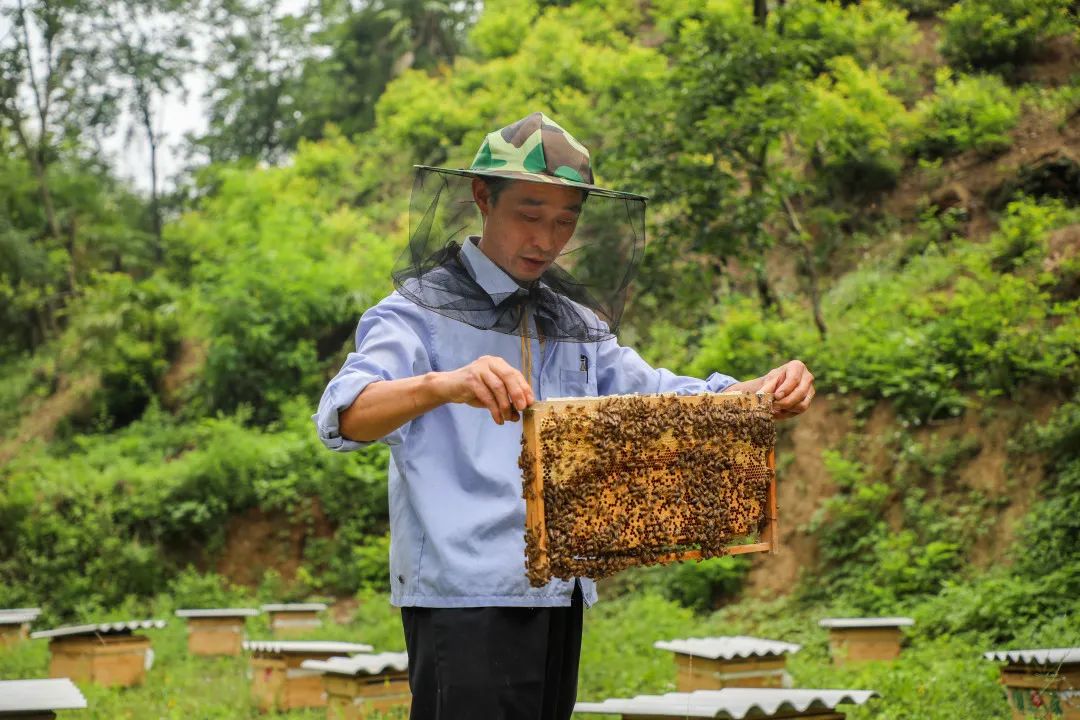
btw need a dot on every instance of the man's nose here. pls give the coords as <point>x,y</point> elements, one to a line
<point>544,238</point>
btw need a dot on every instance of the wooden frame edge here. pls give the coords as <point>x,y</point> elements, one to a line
<point>534,511</point>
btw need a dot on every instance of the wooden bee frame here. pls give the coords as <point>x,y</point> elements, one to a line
<point>614,482</point>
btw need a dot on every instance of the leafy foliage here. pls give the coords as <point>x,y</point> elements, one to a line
<point>852,127</point>
<point>1000,34</point>
<point>970,112</point>
<point>767,149</point>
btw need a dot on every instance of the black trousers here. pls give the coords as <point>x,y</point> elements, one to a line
<point>493,663</point>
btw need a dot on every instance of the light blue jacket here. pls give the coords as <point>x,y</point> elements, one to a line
<point>457,518</point>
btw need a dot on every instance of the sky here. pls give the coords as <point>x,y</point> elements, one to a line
<point>180,112</point>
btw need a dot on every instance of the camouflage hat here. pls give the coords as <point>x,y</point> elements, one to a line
<point>535,149</point>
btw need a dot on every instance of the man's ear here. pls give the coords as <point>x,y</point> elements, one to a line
<point>481,195</point>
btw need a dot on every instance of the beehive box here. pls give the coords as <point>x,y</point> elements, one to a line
<point>619,481</point>
<point>292,619</point>
<point>858,640</point>
<point>729,661</point>
<point>15,624</point>
<point>1041,683</point>
<point>365,686</point>
<point>218,631</point>
<point>108,654</point>
<point>278,679</point>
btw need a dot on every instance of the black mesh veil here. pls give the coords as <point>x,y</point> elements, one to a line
<point>579,298</point>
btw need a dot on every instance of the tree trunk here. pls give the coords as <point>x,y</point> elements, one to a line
<point>155,203</point>
<point>761,12</point>
<point>769,300</point>
<point>40,170</point>
<point>72,276</point>
<point>808,263</point>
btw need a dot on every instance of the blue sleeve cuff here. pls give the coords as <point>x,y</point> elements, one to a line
<point>339,395</point>
<point>718,383</point>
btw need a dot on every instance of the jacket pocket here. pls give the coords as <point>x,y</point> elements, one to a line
<point>574,383</point>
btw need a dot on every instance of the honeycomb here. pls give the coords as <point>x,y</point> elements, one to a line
<point>620,481</point>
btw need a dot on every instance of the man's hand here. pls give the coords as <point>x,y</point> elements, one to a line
<point>488,382</point>
<point>791,384</point>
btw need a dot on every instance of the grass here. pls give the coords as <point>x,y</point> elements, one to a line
<point>936,678</point>
<point>181,686</point>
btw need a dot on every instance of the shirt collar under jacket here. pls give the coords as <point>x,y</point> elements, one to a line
<point>486,273</point>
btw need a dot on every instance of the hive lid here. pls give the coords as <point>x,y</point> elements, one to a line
<point>730,703</point>
<point>109,628</point>
<point>40,695</point>
<point>305,646</point>
<point>1040,656</point>
<point>728,647</point>
<point>294,607</point>
<point>873,622</point>
<point>360,664</point>
<point>18,616</point>
<point>217,612</point>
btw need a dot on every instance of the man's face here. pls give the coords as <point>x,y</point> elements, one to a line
<point>528,225</point>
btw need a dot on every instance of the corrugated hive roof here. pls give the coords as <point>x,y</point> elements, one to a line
<point>728,647</point>
<point>217,612</point>
<point>294,607</point>
<point>1041,656</point>
<point>40,695</point>
<point>730,703</point>
<point>360,664</point>
<point>865,622</point>
<point>18,616</point>
<point>305,646</point>
<point>109,628</point>
<point>19,611</point>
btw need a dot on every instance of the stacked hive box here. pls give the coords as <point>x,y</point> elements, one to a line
<point>729,661</point>
<point>38,699</point>
<point>291,619</point>
<point>278,678</point>
<point>859,640</point>
<point>15,624</point>
<point>358,686</point>
<point>619,481</point>
<point>1041,683</point>
<point>109,654</point>
<point>218,631</point>
<point>732,704</point>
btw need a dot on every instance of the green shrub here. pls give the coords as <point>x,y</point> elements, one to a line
<point>120,515</point>
<point>127,331</point>
<point>745,342</point>
<point>1000,34</point>
<point>870,31</point>
<point>698,585</point>
<point>933,680</point>
<point>851,128</point>
<point>502,26</point>
<point>968,113</point>
<point>1019,243</point>
<point>1053,526</point>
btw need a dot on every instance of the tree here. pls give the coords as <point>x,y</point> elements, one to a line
<point>54,96</point>
<point>149,42</point>
<point>282,78</point>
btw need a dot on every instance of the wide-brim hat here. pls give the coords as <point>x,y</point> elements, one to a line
<point>535,149</point>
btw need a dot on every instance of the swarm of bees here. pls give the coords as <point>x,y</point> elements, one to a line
<point>615,482</point>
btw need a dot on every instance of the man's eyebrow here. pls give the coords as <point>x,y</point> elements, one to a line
<point>534,202</point>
